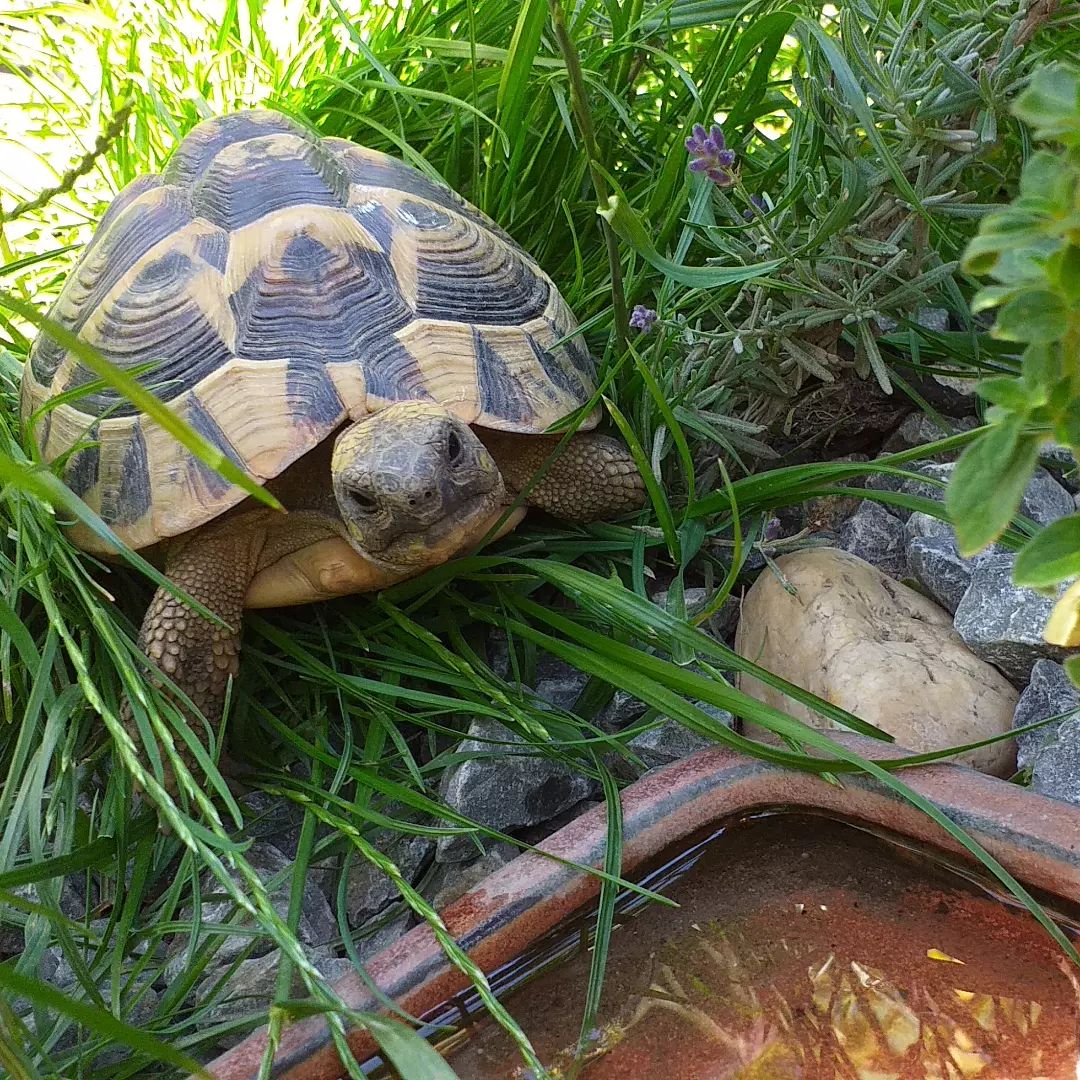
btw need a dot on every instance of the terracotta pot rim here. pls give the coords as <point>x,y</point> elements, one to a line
<point>1036,838</point>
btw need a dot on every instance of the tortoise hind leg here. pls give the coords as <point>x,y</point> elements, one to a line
<point>593,479</point>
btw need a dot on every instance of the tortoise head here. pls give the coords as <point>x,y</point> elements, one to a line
<point>415,486</point>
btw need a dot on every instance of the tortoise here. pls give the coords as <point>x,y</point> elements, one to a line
<point>358,338</point>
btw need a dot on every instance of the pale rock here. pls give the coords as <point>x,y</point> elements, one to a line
<point>878,649</point>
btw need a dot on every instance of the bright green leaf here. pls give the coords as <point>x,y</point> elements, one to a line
<point>1041,365</point>
<point>1068,272</point>
<point>1010,393</point>
<point>1072,669</point>
<point>1052,556</point>
<point>988,483</point>
<point>1051,104</point>
<point>1037,316</point>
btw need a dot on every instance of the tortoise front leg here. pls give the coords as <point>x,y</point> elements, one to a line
<point>259,559</point>
<point>594,478</point>
<point>214,566</point>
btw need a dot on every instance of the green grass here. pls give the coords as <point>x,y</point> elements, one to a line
<point>350,710</point>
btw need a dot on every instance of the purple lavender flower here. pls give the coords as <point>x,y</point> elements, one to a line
<point>642,318</point>
<point>759,207</point>
<point>710,155</point>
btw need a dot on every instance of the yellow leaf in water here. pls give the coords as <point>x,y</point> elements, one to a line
<point>937,954</point>
<point>1063,626</point>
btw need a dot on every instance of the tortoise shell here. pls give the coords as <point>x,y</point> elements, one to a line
<point>270,285</point>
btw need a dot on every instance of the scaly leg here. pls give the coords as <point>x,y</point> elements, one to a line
<point>217,566</point>
<point>593,479</point>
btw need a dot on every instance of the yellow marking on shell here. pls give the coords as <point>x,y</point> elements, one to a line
<point>72,300</point>
<point>248,399</point>
<point>115,437</point>
<point>279,145</point>
<point>351,387</point>
<point>181,498</point>
<point>32,395</point>
<point>207,291</point>
<point>558,311</point>
<point>404,258</point>
<point>559,314</point>
<point>262,243</point>
<point>350,149</point>
<point>67,426</point>
<point>445,355</point>
<point>407,239</point>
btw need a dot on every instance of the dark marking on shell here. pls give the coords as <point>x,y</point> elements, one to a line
<point>375,220</point>
<point>579,355</point>
<point>206,140</point>
<point>312,398</point>
<point>81,472</point>
<point>391,371</point>
<point>213,249</point>
<point>136,492</point>
<point>43,429</point>
<point>109,257</point>
<point>477,280</point>
<point>123,200</point>
<point>500,392</point>
<point>388,172</point>
<point>561,374</point>
<point>255,178</point>
<point>197,416</point>
<point>423,215</point>
<point>155,320</point>
<point>319,305</point>
<point>46,354</point>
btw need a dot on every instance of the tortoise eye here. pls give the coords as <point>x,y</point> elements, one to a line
<point>453,447</point>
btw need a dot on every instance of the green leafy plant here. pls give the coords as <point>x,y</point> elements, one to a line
<point>1031,249</point>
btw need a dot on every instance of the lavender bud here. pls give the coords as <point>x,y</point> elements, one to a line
<point>642,318</point>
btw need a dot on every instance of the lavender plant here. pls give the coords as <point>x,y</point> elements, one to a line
<point>858,186</point>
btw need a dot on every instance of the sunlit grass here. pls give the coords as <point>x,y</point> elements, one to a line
<point>350,710</point>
